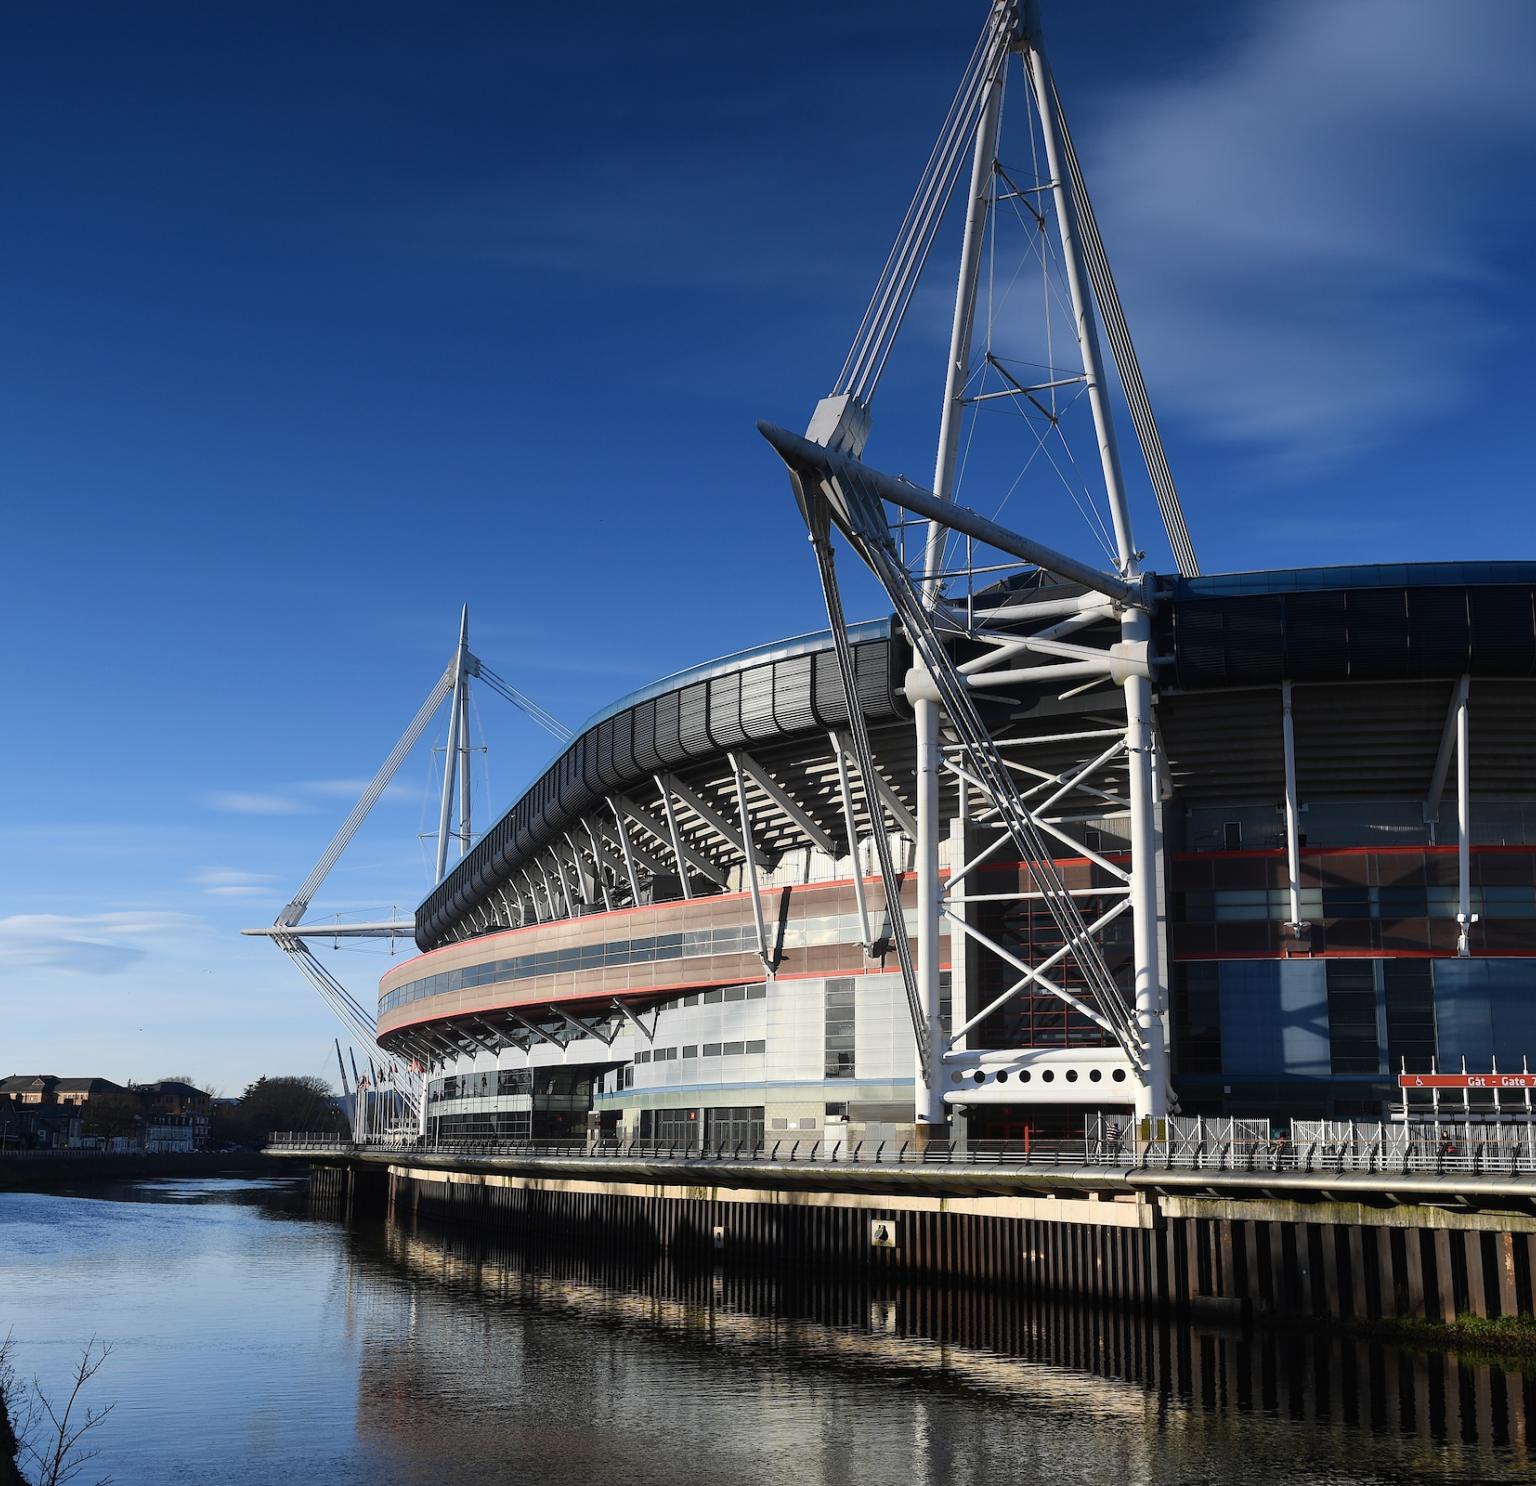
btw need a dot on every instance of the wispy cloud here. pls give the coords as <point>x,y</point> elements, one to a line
<point>86,944</point>
<point>1311,227</point>
<point>298,798</point>
<point>248,802</point>
<point>231,882</point>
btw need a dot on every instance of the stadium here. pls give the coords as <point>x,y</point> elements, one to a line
<point>677,933</point>
<point>1057,839</point>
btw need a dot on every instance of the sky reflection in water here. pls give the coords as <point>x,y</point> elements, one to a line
<point>256,1339</point>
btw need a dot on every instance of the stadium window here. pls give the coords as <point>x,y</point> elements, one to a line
<point>839,1028</point>
<point>1197,1018</point>
<point>711,1050</point>
<point>1409,993</point>
<point>1232,835</point>
<point>1353,1042</point>
<point>691,1050</point>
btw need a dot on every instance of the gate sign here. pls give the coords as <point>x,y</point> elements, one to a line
<point>882,1233</point>
<point>1466,1080</point>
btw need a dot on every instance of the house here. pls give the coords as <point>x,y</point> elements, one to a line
<point>29,1088</point>
<point>173,1105</point>
<point>80,1091</point>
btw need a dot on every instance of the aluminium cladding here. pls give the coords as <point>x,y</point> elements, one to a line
<point>765,695</point>
<point>1375,623</point>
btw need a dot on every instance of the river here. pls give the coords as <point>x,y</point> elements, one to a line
<point>258,1338</point>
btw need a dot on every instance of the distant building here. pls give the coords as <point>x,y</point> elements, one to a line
<point>80,1091</point>
<point>172,1105</point>
<point>29,1088</point>
<point>42,1110</point>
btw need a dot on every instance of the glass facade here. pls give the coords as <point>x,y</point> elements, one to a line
<point>731,939</point>
<point>841,1003</point>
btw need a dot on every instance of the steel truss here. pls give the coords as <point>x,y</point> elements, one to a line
<point>1044,622</point>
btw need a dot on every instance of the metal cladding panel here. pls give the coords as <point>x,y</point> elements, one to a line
<point>646,756</point>
<point>1378,632</point>
<point>693,718</point>
<point>873,676</point>
<point>669,745</point>
<point>792,709</point>
<point>1314,623</point>
<point>1384,633</point>
<point>624,746</point>
<point>590,774</point>
<point>725,729</point>
<point>797,694</point>
<point>1195,634</point>
<point>608,772</point>
<point>757,720</point>
<point>827,690</point>
<point>1439,634</point>
<point>1502,630</point>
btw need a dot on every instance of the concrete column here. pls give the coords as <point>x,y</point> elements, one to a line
<point>1414,1252</point>
<point>1252,1289</point>
<point>1509,1304</point>
<point>1477,1291</point>
<point>1192,1227</point>
<point>1279,1290</point>
<point>1386,1280</point>
<point>1226,1283</point>
<point>1445,1279</point>
<point>1305,1279</point>
<point>1332,1299</point>
<point>1360,1308</point>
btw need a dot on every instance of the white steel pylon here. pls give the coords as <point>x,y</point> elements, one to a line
<point>290,933</point>
<point>1092,630</point>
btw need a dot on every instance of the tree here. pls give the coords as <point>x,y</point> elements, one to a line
<point>47,1435</point>
<point>292,1102</point>
<point>112,1113</point>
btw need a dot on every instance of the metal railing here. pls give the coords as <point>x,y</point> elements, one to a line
<point>1484,1154</point>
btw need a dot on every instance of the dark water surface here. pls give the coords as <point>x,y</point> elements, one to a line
<point>257,1339</point>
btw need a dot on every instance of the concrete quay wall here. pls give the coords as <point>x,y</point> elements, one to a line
<point>1325,1257</point>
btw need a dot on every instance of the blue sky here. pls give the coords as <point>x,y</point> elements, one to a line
<point>321,321</point>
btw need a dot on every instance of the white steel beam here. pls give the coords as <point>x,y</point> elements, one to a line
<point>749,868</point>
<point>845,791</point>
<point>791,807</point>
<point>669,784</point>
<point>1464,915</point>
<point>905,821</point>
<point>582,1028</point>
<point>653,827</point>
<point>674,837</point>
<point>627,849</point>
<point>1292,828</point>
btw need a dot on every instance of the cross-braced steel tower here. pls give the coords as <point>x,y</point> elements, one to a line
<point>1042,622</point>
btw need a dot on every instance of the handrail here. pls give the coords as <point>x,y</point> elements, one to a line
<point>1443,1156</point>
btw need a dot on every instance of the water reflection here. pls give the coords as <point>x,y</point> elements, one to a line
<point>1368,1410</point>
<point>261,1339</point>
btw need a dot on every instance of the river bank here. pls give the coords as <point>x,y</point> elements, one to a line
<point>43,1171</point>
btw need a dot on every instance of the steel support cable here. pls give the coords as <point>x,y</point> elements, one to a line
<point>817,518</point>
<point>869,532</point>
<point>366,801</point>
<point>522,701</point>
<point>358,1030</point>
<point>342,1000</point>
<point>1112,313</point>
<point>894,290</point>
<point>904,233</point>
